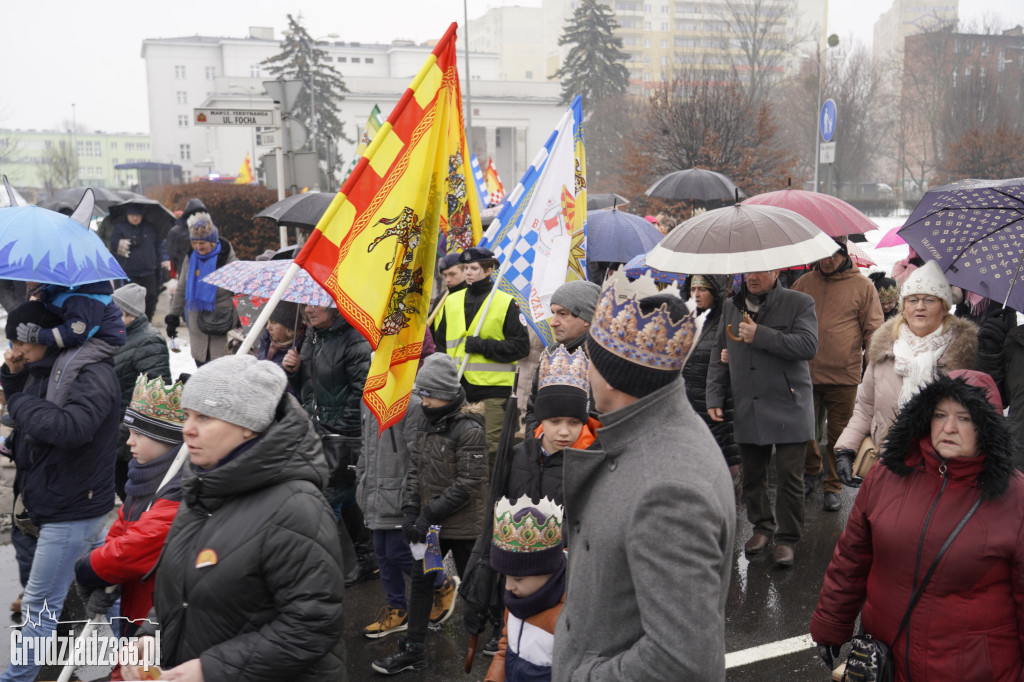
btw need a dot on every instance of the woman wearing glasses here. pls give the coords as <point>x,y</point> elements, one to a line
<point>907,352</point>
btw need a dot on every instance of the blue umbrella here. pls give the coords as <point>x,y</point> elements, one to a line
<point>974,230</point>
<point>637,267</point>
<point>615,237</point>
<point>39,245</point>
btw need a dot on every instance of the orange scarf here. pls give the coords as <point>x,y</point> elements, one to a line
<point>587,435</point>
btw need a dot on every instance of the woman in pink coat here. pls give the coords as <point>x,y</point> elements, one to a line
<point>921,342</point>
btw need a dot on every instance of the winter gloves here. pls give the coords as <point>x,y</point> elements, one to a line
<point>415,525</point>
<point>474,344</point>
<point>992,333</point>
<point>98,600</point>
<point>844,468</point>
<point>28,332</point>
<point>172,322</point>
<point>828,654</point>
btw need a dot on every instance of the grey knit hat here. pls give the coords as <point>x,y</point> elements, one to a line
<point>238,389</point>
<point>579,297</point>
<point>131,298</point>
<point>438,378</point>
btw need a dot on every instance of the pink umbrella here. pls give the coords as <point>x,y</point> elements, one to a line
<point>891,238</point>
<point>830,214</point>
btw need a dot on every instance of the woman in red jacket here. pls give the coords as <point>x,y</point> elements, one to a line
<point>948,447</point>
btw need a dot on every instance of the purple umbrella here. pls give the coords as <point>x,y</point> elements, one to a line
<point>974,230</point>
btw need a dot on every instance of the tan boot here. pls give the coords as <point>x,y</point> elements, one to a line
<point>389,620</point>
<point>444,601</point>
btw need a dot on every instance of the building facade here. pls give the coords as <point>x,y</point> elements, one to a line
<point>511,119</point>
<point>663,36</point>
<point>30,154</point>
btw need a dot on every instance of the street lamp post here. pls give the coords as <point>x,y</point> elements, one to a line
<point>833,40</point>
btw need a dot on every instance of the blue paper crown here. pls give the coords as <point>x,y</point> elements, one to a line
<point>651,340</point>
<point>560,367</point>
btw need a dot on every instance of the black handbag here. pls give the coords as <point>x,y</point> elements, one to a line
<point>870,659</point>
<point>216,322</point>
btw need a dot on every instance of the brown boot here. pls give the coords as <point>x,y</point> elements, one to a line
<point>756,544</point>
<point>783,556</point>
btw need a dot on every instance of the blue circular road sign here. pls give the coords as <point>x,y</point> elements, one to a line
<point>827,120</point>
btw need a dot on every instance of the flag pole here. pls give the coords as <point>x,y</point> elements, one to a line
<point>268,309</point>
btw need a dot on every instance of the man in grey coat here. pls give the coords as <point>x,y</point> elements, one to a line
<point>650,513</point>
<point>774,403</point>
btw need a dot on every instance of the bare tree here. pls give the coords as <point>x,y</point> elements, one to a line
<point>59,167</point>
<point>700,119</point>
<point>856,86</point>
<point>759,42</point>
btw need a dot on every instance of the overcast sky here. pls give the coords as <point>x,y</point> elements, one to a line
<point>58,52</point>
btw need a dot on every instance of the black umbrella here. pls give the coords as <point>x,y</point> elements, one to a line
<point>69,199</point>
<point>152,210</point>
<point>598,201</point>
<point>299,210</point>
<point>695,184</point>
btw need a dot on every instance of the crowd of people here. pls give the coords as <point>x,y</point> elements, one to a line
<point>588,542</point>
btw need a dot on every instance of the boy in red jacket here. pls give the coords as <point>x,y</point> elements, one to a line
<point>154,419</point>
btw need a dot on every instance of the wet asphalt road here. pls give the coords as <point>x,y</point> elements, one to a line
<point>765,605</point>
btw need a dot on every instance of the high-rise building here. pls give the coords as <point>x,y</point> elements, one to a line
<point>906,18</point>
<point>660,36</point>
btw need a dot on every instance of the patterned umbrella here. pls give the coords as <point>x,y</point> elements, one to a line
<point>974,230</point>
<point>832,215</point>
<point>741,238</point>
<point>260,278</point>
<point>39,245</point>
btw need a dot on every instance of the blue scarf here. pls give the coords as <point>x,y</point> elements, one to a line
<point>198,294</point>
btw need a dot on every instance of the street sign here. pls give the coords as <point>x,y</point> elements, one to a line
<point>286,92</point>
<point>235,117</point>
<point>267,138</point>
<point>827,152</point>
<point>827,120</point>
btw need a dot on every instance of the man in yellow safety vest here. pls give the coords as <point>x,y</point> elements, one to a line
<point>493,351</point>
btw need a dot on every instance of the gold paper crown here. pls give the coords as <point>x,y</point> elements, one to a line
<point>560,367</point>
<point>153,400</point>
<point>523,526</point>
<point>201,227</point>
<point>651,340</point>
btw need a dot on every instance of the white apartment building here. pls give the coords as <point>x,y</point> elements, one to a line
<point>657,35</point>
<point>511,119</point>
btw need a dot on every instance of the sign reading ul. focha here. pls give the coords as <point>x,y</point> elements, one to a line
<point>235,117</point>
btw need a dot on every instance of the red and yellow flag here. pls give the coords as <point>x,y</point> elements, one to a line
<point>245,175</point>
<point>374,248</point>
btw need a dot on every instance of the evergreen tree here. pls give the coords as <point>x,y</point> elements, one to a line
<point>300,59</point>
<point>594,67</point>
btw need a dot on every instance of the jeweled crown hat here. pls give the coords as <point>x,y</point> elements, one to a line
<point>928,280</point>
<point>640,338</point>
<point>527,537</point>
<point>563,385</point>
<point>155,410</point>
<point>201,228</point>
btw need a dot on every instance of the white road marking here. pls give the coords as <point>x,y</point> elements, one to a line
<point>783,647</point>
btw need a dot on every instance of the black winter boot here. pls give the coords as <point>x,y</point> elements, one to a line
<point>410,656</point>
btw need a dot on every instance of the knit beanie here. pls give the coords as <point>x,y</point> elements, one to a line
<point>155,410</point>
<point>579,297</point>
<point>286,313</point>
<point>438,378</point>
<point>238,389</point>
<point>928,280</point>
<point>30,312</point>
<point>562,385</point>
<point>527,537</point>
<point>201,228</point>
<point>131,298</point>
<point>642,355</point>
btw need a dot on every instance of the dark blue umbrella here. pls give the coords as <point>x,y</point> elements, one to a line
<point>615,237</point>
<point>39,245</point>
<point>637,267</point>
<point>974,230</point>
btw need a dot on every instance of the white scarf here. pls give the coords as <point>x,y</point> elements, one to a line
<point>917,358</point>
